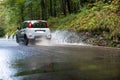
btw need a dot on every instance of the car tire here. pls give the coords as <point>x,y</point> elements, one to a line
<point>49,37</point>
<point>26,41</point>
<point>17,39</point>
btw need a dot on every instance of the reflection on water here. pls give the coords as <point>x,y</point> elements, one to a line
<point>60,63</point>
<point>80,71</point>
<point>88,66</point>
<point>5,71</point>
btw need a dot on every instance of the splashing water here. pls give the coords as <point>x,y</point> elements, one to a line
<point>63,38</point>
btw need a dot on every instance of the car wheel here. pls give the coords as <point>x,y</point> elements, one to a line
<point>49,37</point>
<point>17,39</point>
<point>26,41</point>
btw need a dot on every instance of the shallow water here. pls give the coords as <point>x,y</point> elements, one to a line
<point>58,62</point>
<point>64,57</point>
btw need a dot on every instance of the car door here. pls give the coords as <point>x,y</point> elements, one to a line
<point>22,30</point>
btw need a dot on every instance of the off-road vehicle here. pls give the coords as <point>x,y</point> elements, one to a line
<point>32,29</point>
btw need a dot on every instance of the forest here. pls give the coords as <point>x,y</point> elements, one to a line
<point>91,17</point>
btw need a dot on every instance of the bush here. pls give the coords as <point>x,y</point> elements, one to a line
<point>2,32</point>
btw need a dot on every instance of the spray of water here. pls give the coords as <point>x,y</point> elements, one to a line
<point>43,41</point>
<point>62,38</point>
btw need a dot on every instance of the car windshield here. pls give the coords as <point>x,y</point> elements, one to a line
<point>39,25</point>
<point>35,25</point>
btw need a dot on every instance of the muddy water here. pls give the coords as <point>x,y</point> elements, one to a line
<point>66,63</point>
<point>58,62</point>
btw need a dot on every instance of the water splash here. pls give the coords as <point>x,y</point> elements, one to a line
<point>64,38</point>
<point>67,37</point>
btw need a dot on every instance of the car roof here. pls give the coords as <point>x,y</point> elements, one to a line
<point>33,21</point>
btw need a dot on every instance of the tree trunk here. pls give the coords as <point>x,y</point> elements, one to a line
<point>51,9</point>
<point>31,13</point>
<point>43,8</point>
<point>55,12</point>
<point>22,12</point>
<point>64,7</point>
<point>69,6</point>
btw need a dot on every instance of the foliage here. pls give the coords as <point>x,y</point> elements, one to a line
<point>2,32</point>
<point>101,19</point>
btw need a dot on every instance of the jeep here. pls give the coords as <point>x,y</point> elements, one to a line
<point>31,30</point>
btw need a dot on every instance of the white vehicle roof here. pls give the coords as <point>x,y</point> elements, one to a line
<point>34,21</point>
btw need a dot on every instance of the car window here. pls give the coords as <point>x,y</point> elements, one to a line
<point>24,25</point>
<point>39,25</point>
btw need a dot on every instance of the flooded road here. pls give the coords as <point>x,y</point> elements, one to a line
<point>58,62</point>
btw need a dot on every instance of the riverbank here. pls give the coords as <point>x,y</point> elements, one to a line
<point>99,40</point>
<point>99,24</point>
